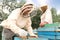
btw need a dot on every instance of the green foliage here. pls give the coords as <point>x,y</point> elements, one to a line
<point>58,16</point>
<point>36,19</point>
<point>55,16</point>
<point>22,3</point>
<point>4,16</point>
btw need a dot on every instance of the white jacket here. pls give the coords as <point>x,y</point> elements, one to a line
<point>47,16</point>
<point>15,22</point>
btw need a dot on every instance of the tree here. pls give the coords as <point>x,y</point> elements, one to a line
<point>58,16</point>
<point>36,19</point>
<point>54,15</point>
<point>22,3</point>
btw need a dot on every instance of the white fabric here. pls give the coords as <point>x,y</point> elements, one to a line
<point>15,22</point>
<point>47,16</point>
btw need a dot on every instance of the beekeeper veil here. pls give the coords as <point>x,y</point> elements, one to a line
<point>28,10</point>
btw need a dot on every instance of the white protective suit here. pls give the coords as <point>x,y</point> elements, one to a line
<point>15,22</point>
<point>47,16</point>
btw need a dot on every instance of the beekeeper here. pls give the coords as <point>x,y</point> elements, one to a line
<point>46,17</point>
<point>17,21</point>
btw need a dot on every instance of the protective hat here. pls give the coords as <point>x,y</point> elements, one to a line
<point>43,5</point>
<point>43,8</point>
<point>27,8</point>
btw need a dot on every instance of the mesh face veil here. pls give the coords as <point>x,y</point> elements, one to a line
<point>27,10</point>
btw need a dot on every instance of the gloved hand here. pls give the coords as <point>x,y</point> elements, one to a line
<point>34,36</point>
<point>43,23</point>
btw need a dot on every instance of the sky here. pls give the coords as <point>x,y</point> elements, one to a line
<point>52,3</point>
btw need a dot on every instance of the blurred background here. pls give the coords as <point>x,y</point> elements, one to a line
<point>6,6</point>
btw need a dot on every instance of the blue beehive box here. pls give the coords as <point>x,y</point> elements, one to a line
<point>17,38</point>
<point>49,31</point>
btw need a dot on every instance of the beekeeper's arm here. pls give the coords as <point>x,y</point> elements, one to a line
<point>29,28</point>
<point>17,30</point>
<point>10,23</point>
<point>48,17</point>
